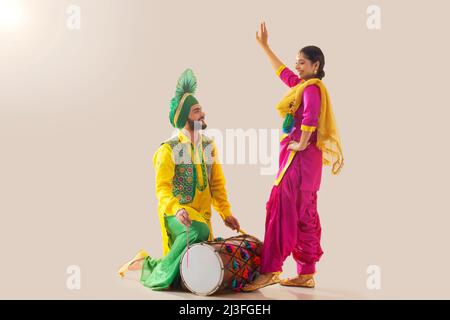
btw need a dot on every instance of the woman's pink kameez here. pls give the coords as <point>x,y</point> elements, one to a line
<point>292,221</point>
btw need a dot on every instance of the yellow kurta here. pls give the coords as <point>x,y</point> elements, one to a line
<point>200,208</point>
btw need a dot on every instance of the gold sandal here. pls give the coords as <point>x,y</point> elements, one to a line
<point>272,278</point>
<point>302,280</point>
<point>140,255</point>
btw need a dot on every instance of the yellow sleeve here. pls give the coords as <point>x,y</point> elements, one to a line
<point>219,193</point>
<point>165,170</point>
<point>308,128</point>
<point>280,70</point>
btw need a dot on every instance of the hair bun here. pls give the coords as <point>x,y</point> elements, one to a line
<point>321,74</point>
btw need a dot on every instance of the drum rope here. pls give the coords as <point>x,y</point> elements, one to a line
<point>235,273</point>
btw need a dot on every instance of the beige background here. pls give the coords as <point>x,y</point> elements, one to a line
<point>82,112</point>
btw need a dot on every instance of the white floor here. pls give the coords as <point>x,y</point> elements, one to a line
<point>132,289</point>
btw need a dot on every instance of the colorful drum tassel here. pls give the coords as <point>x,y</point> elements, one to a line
<point>229,248</point>
<point>244,254</point>
<point>245,274</point>
<point>237,286</point>
<point>250,246</point>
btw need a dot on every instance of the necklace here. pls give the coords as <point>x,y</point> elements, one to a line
<point>203,168</point>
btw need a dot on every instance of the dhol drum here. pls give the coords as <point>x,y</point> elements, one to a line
<point>221,265</point>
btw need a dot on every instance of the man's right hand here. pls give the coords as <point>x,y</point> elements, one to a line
<point>183,216</point>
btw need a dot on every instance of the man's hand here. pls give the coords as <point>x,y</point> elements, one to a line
<point>183,216</point>
<point>232,223</point>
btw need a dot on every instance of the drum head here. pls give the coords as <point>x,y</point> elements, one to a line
<point>203,273</point>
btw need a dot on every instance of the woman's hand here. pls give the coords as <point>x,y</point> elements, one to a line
<point>262,36</point>
<point>296,146</point>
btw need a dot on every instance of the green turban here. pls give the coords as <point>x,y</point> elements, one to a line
<point>182,102</point>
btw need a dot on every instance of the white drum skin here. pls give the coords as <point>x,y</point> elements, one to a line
<point>203,273</point>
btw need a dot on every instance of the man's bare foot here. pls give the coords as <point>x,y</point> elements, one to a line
<point>136,265</point>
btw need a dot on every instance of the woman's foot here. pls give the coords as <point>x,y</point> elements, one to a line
<point>263,280</point>
<point>302,280</point>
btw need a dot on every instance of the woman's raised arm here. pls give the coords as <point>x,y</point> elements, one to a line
<point>262,37</point>
<point>285,74</point>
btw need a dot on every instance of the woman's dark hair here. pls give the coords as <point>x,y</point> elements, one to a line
<point>314,54</point>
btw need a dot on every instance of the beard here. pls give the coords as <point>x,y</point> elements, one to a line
<point>197,125</point>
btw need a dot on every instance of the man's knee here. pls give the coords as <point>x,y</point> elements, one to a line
<point>198,232</point>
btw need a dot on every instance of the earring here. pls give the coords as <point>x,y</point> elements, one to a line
<point>315,71</point>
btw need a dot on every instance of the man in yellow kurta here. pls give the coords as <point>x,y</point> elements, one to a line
<point>209,185</point>
<point>189,181</point>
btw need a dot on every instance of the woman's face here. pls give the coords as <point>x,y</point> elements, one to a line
<point>305,67</point>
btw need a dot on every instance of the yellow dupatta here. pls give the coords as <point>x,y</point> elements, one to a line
<point>328,139</point>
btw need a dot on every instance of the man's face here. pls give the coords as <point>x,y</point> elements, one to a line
<point>197,115</point>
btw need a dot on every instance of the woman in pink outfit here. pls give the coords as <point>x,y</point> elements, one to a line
<point>292,221</point>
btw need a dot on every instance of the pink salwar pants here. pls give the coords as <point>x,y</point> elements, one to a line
<point>292,225</point>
